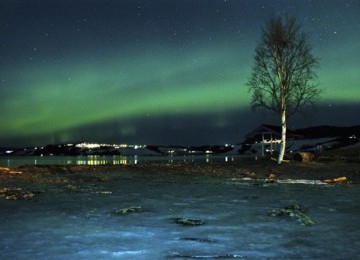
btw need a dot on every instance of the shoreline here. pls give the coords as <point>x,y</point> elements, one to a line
<point>347,172</point>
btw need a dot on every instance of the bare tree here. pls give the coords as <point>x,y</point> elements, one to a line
<point>283,74</point>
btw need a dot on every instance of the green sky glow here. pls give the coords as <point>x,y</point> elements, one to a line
<point>68,96</point>
<point>77,66</point>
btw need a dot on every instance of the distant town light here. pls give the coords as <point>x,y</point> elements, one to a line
<point>88,145</point>
<point>274,141</point>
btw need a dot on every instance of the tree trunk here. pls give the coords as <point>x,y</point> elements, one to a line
<point>283,136</point>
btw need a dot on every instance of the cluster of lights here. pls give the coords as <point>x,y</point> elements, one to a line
<point>116,146</point>
<point>88,145</point>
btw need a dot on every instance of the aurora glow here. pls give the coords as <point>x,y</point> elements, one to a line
<point>107,70</point>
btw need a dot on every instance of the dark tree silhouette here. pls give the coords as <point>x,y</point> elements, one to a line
<point>283,75</point>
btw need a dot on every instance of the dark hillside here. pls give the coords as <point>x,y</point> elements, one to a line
<point>328,131</point>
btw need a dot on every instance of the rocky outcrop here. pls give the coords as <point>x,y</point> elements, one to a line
<point>293,211</point>
<point>189,221</point>
<point>304,157</point>
<point>205,256</point>
<point>9,171</point>
<point>338,180</point>
<point>126,211</point>
<point>17,194</point>
<point>199,239</point>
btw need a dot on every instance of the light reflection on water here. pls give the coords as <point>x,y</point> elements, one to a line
<point>100,160</point>
<point>15,161</point>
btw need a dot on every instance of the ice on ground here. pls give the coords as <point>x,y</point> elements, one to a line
<point>64,225</point>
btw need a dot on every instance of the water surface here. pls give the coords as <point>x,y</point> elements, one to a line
<point>16,161</point>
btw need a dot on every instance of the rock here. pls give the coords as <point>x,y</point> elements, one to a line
<point>251,175</point>
<point>17,194</point>
<point>125,211</point>
<point>8,171</point>
<point>72,188</point>
<point>105,192</point>
<point>226,256</point>
<point>336,180</point>
<point>271,178</point>
<point>189,221</point>
<point>199,239</point>
<point>340,179</point>
<point>293,211</point>
<point>304,157</point>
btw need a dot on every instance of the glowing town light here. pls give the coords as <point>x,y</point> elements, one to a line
<point>88,145</point>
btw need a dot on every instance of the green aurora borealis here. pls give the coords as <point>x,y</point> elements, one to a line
<point>94,94</point>
<point>67,66</point>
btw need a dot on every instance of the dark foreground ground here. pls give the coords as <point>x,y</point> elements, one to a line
<point>330,166</point>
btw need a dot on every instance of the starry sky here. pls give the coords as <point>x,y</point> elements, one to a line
<point>160,71</point>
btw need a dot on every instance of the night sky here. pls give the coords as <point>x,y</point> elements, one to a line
<point>159,72</point>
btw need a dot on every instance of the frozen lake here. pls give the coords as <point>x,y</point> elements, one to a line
<point>82,225</point>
